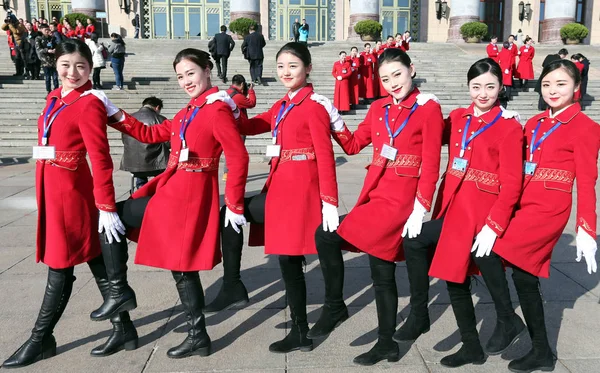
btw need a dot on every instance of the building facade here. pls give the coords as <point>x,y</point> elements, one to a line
<point>428,20</point>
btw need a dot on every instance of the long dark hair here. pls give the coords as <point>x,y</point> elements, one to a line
<point>197,56</point>
<point>484,65</point>
<point>71,46</point>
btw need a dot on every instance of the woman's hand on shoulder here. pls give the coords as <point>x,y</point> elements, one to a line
<point>111,110</point>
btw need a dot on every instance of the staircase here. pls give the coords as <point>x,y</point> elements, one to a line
<point>441,69</point>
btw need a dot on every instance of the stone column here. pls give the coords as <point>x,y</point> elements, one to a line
<point>88,7</point>
<point>245,8</point>
<point>557,14</point>
<point>361,10</point>
<point>461,12</point>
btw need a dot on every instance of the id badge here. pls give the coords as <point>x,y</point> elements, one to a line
<point>273,150</point>
<point>529,168</point>
<point>184,155</point>
<point>44,152</point>
<point>344,71</point>
<point>389,152</point>
<point>459,164</point>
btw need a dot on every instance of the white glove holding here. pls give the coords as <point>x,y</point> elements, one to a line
<point>422,99</point>
<point>236,220</point>
<point>331,218</point>
<point>506,71</point>
<point>358,76</point>
<point>508,114</point>
<point>413,225</point>
<point>335,120</point>
<point>339,78</point>
<point>111,223</point>
<point>111,109</point>
<point>586,247</point>
<point>224,96</point>
<point>484,242</point>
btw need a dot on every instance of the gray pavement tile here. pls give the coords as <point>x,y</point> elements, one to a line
<point>9,216</point>
<point>26,178</point>
<point>492,365</point>
<point>240,341</point>
<point>559,287</point>
<point>11,256</point>
<point>577,272</point>
<point>564,251</point>
<point>25,220</point>
<point>380,367</point>
<point>15,236</point>
<point>581,365</point>
<point>9,191</point>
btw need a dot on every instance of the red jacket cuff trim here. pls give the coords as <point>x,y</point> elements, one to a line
<point>106,207</point>
<point>425,202</point>
<point>584,224</point>
<point>330,200</point>
<point>238,209</point>
<point>497,228</point>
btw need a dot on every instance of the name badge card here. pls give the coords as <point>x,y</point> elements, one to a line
<point>389,152</point>
<point>44,152</point>
<point>273,150</point>
<point>529,168</point>
<point>184,154</point>
<point>459,164</point>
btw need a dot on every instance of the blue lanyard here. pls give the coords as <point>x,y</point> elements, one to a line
<point>280,116</point>
<point>387,123</point>
<point>185,124</point>
<point>465,141</point>
<point>48,124</point>
<point>534,145</point>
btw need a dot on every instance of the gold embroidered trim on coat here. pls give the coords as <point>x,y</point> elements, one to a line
<point>106,207</point>
<point>583,223</point>
<point>552,174</point>
<point>194,163</point>
<point>66,157</point>
<point>233,207</point>
<point>301,154</point>
<point>330,200</point>
<point>402,160</point>
<point>494,224</point>
<point>427,203</point>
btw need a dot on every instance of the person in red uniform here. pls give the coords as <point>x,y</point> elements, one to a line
<point>405,129</point>
<point>398,39</point>
<point>341,72</point>
<point>562,146</point>
<point>68,200</point>
<point>492,49</point>
<point>514,49</point>
<point>525,68</point>
<point>177,212</point>
<point>79,30</point>
<point>89,28</point>
<point>580,66</point>
<point>302,164</point>
<point>475,202</point>
<point>390,42</point>
<point>69,32</point>
<point>369,84</point>
<point>355,78</point>
<point>406,39</point>
<point>505,60</point>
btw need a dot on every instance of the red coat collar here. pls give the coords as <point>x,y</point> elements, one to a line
<point>487,117</point>
<point>201,100</point>
<point>72,96</point>
<point>407,103</point>
<point>564,117</point>
<point>300,96</point>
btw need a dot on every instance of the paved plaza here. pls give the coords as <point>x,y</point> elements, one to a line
<point>241,337</point>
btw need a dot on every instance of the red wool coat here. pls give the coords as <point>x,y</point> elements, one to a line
<point>577,95</point>
<point>89,29</point>
<point>492,51</point>
<point>243,103</point>
<point>525,68</point>
<point>180,230</point>
<point>355,81</point>
<point>485,194</point>
<point>568,155</point>
<point>299,179</point>
<point>386,201</point>
<point>341,95</point>
<point>514,49</point>
<point>68,198</point>
<point>368,77</point>
<point>505,60</point>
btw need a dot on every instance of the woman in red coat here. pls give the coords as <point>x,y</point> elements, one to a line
<point>68,199</point>
<point>80,30</point>
<point>562,147</point>
<point>405,129</point>
<point>580,67</point>
<point>492,49</point>
<point>370,85</point>
<point>342,71</point>
<point>525,68</point>
<point>300,194</point>
<point>505,60</point>
<point>178,211</point>
<point>475,203</point>
<point>90,28</point>
<point>355,78</point>
<point>379,49</point>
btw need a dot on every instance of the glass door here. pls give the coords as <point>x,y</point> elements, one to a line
<point>186,22</point>
<point>315,13</point>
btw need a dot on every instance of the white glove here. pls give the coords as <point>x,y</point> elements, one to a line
<point>586,247</point>
<point>331,218</point>
<point>413,225</point>
<point>111,109</point>
<point>358,76</point>
<point>335,120</point>
<point>484,242</point>
<point>224,96</point>
<point>236,220</point>
<point>422,99</point>
<point>506,71</point>
<point>339,78</point>
<point>111,222</point>
<point>508,114</point>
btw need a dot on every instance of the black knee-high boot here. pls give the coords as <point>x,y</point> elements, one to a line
<point>191,294</point>
<point>121,296</point>
<point>386,300</point>
<point>41,344</point>
<point>233,293</point>
<point>124,335</point>
<point>292,272</point>
<point>509,325</point>
<point>540,357</point>
<point>462,305</point>
<point>334,311</point>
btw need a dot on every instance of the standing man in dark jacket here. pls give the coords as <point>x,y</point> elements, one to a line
<point>254,44</point>
<point>296,30</point>
<point>562,54</point>
<point>223,45</point>
<point>44,46</point>
<point>145,160</point>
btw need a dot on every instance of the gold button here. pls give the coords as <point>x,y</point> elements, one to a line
<point>539,149</point>
<point>376,149</point>
<point>180,120</point>
<point>526,146</point>
<point>469,148</point>
<point>544,133</point>
<point>172,133</point>
<point>177,152</point>
<point>552,122</point>
<point>532,131</point>
<point>542,120</point>
<point>459,130</point>
<point>472,132</point>
<point>380,119</point>
<point>377,133</point>
<point>479,120</point>
<point>456,144</point>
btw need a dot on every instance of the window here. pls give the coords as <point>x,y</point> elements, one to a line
<point>178,15</point>
<point>311,19</point>
<point>404,3</point>
<point>213,22</point>
<point>402,22</point>
<point>388,3</point>
<point>310,2</point>
<point>580,14</point>
<point>194,17</point>
<point>160,23</point>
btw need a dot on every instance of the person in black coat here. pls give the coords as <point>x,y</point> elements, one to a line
<point>563,53</point>
<point>252,47</point>
<point>222,44</point>
<point>296,30</point>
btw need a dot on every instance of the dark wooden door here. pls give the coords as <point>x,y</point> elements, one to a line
<point>494,18</point>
